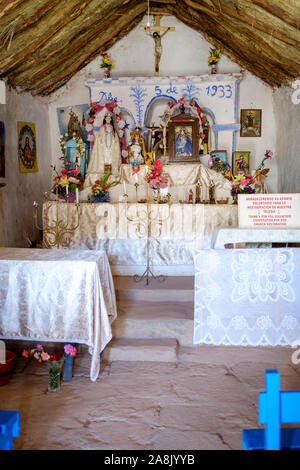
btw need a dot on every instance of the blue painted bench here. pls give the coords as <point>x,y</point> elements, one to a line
<point>274,408</point>
<point>9,428</point>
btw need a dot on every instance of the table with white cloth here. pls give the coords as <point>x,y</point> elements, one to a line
<point>177,230</point>
<point>57,296</point>
<point>234,236</point>
<point>247,296</point>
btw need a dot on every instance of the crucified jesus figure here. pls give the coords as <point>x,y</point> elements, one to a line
<point>158,48</point>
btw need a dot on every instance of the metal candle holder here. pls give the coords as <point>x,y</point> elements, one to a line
<point>145,221</point>
<point>59,233</point>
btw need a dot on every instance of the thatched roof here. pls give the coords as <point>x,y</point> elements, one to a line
<point>43,43</point>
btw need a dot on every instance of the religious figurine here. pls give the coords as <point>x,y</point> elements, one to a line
<point>198,192</point>
<point>191,196</point>
<point>136,152</point>
<point>106,151</point>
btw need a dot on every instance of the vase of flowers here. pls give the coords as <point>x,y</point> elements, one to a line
<point>100,189</point>
<point>106,64</point>
<point>158,181</point>
<point>215,55</point>
<point>247,183</point>
<point>53,362</point>
<point>67,180</point>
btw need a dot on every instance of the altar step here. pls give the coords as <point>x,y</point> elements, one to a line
<point>153,321</point>
<point>160,320</point>
<point>173,288</point>
<point>154,350</point>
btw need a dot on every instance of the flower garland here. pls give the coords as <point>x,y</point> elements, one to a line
<point>195,109</point>
<point>112,107</point>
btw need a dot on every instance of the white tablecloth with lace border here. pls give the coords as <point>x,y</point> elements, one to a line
<point>57,296</point>
<point>247,296</point>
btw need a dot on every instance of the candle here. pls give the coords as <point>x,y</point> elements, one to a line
<point>136,177</point>
<point>77,196</point>
<point>124,187</point>
<point>67,189</point>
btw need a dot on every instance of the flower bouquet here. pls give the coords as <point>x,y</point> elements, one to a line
<point>247,183</point>
<point>53,362</point>
<point>100,189</point>
<point>215,55</point>
<point>158,181</point>
<point>106,64</point>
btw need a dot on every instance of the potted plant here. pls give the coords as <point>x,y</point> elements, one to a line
<point>100,189</point>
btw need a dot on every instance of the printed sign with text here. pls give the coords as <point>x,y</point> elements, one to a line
<point>269,210</point>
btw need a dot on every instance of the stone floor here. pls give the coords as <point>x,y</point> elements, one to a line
<point>202,401</point>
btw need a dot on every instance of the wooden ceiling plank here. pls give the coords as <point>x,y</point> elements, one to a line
<point>70,49</point>
<point>63,38</point>
<point>288,11</point>
<point>261,20</point>
<point>25,43</point>
<point>91,50</point>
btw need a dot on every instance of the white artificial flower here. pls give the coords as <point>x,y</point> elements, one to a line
<point>124,153</point>
<point>89,127</point>
<point>121,124</point>
<point>121,133</point>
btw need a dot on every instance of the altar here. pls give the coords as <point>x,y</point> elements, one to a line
<point>120,229</point>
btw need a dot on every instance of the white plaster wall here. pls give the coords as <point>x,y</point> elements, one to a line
<point>287,140</point>
<point>16,198</point>
<point>185,52</point>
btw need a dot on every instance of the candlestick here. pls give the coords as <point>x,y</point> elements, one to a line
<point>77,195</point>
<point>124,187</point>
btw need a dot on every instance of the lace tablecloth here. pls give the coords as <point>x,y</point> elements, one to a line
<point>247,296</point>
<point>57,295</point>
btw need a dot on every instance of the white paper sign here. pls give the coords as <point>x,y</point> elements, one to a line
<point>269,210</point>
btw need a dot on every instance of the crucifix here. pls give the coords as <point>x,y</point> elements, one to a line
<point>157,32</point>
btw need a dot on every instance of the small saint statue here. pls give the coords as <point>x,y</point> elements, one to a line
<point>136,152</point>
<point>106,152</point>
<point>191,196</point>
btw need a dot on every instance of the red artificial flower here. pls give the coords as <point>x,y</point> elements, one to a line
<point>25,354</point>
<point>97,182</point>
<point>90,120</point>
<point>103,54</point>
<point>75,172</point>
<point>104,187</point>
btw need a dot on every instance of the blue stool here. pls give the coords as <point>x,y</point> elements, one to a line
<point>9,428</point>
<point>274,408</point>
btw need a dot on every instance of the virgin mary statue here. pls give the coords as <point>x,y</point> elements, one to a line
<point>106,150</point>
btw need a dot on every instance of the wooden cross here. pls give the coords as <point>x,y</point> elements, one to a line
<point>155,32</point>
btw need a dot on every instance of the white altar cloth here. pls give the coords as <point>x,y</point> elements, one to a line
<point>239,235</point>
<point>57,296</point>
<point>183,229</point>
<point>247,296</point>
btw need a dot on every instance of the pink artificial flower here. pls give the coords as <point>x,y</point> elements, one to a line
<point>248,176</point>
<point>181,101</point>
<point>69,349</point>
<point>210,162</point>
<point>73,180</point>
<point>203,136</point>
<point>269,153</point>
<point>36,355</point>
<point>39,347</point>
<point>90,120</point>
<point>244,182</point>
<point>75,172</point>
<point>45,356</point>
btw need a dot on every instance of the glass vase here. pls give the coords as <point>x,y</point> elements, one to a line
<point>54,372</point>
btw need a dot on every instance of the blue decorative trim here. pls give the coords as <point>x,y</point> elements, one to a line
<point>152,100</point>
<point>226,127</point>
<point>208,110</point>
<point>130,114</point>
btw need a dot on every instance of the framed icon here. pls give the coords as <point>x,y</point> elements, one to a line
<point>241,163</point>
<point>183,132</point>
<point>250,123</point>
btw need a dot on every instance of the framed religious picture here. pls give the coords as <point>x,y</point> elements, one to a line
<point>250,123</point>
<point>183,131</point>
<point>241,163</point>
<point>2,150</point>
<point>27,147</point>
<point>219,154</point>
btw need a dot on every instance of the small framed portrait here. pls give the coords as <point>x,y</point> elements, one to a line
<point>27,147</point>
<point>220,154</point>
<point>183,141</point>
<point>241,163</point>
<point>250,123</point>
